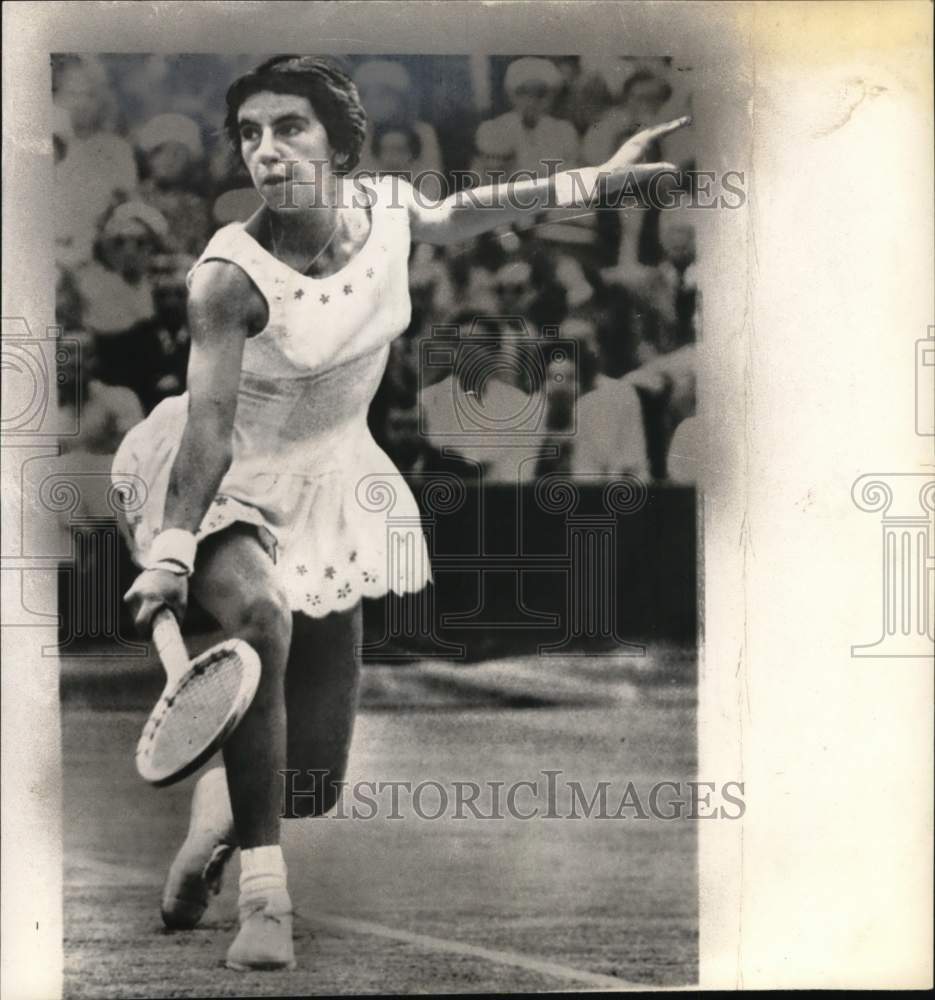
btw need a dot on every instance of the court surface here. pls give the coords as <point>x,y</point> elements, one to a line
<point>409,904</point>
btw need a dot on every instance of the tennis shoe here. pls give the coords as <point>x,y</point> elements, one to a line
<point>264,941</point>
<point>198,868</point>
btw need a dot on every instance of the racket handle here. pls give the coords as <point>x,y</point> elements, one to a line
<point>169,644</point>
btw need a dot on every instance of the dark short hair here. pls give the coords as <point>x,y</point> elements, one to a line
<point>645,76</point>
<point>330,91</point>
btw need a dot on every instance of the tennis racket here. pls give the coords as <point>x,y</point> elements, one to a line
<point>202,703</point>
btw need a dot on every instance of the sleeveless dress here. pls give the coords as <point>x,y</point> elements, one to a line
<point>330,507</point>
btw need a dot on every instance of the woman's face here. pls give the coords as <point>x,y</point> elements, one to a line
<point>169,162</point>
<point>395,152</point>
<point>286,150</point>
<point>383,104</point>
<point>532,100</point>
<point>127,250</point>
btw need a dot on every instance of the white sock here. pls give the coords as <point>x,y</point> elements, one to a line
<point>262,871</point>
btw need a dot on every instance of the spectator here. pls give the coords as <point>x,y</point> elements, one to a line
<point>667,291</point>
<point>174,167</point>
<point>387,95</point>
<point>584,97</point>
<point>561,391</point>
<point>540,143</point>
<point>494,153</point>
<point>642,99</point>
<point>535,139</point>
<point>170,296</point>
<point>397,150</point>
<point>98,167</point>
<point>146,86</point>
<point>610,436</point>
<point>101,413</point>
<point>117,296</point>
<point>667,388</point>
<point>476,410</point>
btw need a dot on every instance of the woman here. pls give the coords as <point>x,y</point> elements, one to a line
<point>117,293</point>
<point>97,167</point>
<point>261,468</point>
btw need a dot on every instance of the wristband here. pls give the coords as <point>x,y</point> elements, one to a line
<point>169,566</point>
<point>174,550</point>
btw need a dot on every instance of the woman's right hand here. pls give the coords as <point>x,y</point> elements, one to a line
<point>155,589</point>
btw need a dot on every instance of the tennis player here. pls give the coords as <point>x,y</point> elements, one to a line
<point>253,505</point>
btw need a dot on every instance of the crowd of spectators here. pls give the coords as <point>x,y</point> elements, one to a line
<point>578,327</point>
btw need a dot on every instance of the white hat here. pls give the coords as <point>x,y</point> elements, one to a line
<point>532,70</point>
<point>136,211</point>
<point>382,73</point>
<point>170,128</point>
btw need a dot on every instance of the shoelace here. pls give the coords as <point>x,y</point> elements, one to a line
<point>259,906</point>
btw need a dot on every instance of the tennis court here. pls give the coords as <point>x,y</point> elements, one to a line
<point>412,904</point>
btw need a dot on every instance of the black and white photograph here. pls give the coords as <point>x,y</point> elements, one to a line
<point>399,489</point>
<point>410,448</point>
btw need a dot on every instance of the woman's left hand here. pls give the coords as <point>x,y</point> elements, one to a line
<point>626,161</point>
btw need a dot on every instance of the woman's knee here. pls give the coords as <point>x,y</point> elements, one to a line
<point>264,619</point>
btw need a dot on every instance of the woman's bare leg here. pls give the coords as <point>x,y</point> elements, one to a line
<point>322,687</point>
<point>234,581</point>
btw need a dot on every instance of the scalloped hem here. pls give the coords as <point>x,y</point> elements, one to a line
<point>337,582</point>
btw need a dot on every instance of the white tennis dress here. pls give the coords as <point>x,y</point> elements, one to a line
<point>331,508</point>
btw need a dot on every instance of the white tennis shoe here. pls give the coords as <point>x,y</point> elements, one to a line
<point>264,941</point>
<point>198,867</point>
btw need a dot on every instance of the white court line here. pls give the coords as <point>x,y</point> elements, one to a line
<point>566,973</point>
<point>527,962</point>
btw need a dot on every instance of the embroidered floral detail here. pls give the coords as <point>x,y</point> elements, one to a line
<point>298,293</point>
<point>352,557</point>
<point>344,591</point>
<point>313,600</point>
<point>329,572</point>
<point>220,501</point>
<point>348,289</point>
<point>301,570</point>
<point>368,578</point>
<point>323,299</point>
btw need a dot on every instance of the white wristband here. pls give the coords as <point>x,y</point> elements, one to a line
<point>173,549</point>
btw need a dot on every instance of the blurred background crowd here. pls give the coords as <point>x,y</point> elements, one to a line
<point>144,176</point>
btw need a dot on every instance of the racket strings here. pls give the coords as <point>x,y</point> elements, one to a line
<point>194,712</point>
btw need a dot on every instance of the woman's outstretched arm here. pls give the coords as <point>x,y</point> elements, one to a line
<point>466,214</point>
